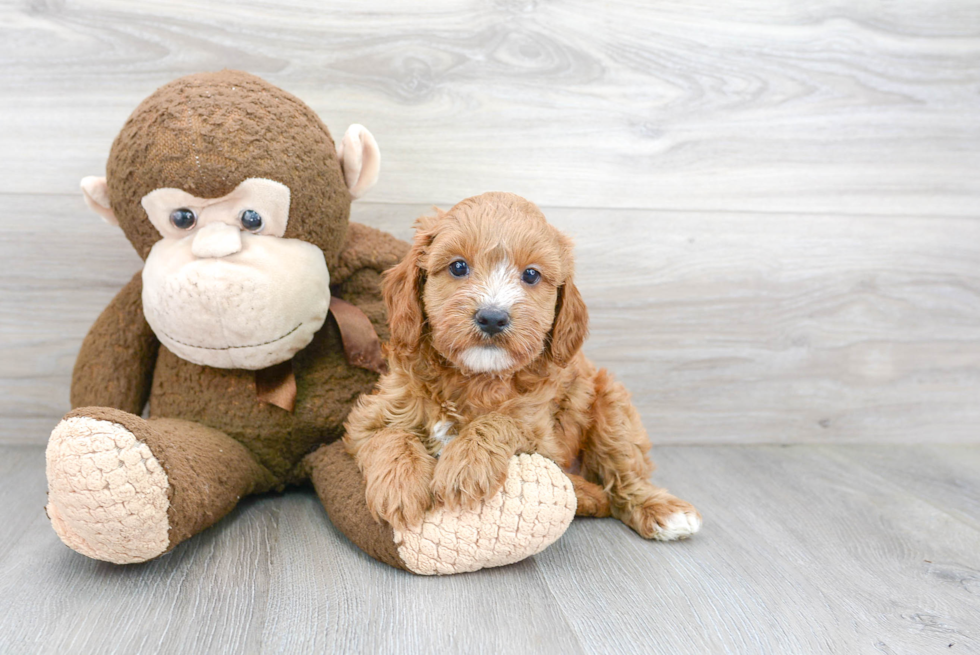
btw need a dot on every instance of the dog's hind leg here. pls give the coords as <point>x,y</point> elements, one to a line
<point>615,456</point>
<point>592,499</point>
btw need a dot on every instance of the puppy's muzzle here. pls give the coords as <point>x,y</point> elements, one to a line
<point>491,321</point>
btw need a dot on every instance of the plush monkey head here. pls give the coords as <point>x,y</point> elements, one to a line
<point>232,191</point>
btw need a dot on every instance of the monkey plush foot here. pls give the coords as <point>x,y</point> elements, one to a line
<point>125,490</point>
<point>533,509</point>
<point>535,506</point>
<point>107,493</point>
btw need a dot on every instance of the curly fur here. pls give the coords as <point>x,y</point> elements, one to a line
<point>528,389</point>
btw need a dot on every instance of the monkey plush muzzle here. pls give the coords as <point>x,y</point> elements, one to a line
<point>221,297</point>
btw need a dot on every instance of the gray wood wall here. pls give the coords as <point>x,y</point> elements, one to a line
<point>776,204</point>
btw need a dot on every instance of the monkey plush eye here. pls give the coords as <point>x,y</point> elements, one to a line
<point>530,276</point>
<point>251,220</point>
<point>183,218</point>
<point>459,268</point>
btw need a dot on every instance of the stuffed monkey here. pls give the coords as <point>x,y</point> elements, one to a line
<point>250,332</point>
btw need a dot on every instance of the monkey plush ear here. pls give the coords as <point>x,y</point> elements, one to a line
<point>96,194</point>
<point>360,158</point>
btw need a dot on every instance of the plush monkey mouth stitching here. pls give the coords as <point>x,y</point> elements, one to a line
<point>251,345</point>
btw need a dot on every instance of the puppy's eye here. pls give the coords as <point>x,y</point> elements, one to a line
<point>459,268</point>
<point>251,220</point>
<point>530,276</point>
<point>183,218</point>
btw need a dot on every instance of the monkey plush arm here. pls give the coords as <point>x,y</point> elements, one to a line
<point>328,384</point>
<point>115,365</point>
<point>367,253</point>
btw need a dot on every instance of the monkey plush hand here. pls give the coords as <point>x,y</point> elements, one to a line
<point>251,330</point>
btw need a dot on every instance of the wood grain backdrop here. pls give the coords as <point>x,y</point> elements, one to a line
<point>777,205</point>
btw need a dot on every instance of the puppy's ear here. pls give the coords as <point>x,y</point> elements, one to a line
<point>571,324</point>
<point>402,291</point>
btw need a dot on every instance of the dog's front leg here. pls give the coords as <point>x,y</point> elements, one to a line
<point>397,474</point>
<point>473,466</point>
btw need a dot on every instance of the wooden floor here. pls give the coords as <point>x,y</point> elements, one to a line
<point>805,549</point>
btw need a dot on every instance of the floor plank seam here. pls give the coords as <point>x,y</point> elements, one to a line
<point>556,603</point>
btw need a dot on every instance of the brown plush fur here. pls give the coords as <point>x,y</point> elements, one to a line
<point>550,399</point>
<point>193,455</point>
<point>207,133</point>
<point>213,436</point>
<point>340,486</point>
<point>239,444</point>
<point>126,377</point>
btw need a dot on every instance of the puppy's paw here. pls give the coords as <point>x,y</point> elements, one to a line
<point>467,473</point>
<point>664,518</point>
<point>592,499</point>
<point>399,497</point>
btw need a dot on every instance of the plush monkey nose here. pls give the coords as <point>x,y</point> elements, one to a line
<point>216,240</point>
<point>491,321</point>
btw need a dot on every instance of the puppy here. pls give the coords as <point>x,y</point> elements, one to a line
<point>485,361</point>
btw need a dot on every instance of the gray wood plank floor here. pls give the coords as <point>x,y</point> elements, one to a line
<point>805,549</point>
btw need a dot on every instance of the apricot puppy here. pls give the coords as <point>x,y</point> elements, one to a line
<point>485,362</point>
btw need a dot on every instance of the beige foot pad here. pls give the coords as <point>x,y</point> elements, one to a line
<point>107,493</point>
<point>533,509</point>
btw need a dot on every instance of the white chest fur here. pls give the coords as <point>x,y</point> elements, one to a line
<point>441,434</point>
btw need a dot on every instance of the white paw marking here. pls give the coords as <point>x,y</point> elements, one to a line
<point>443,433</point>
<point>679,525</point>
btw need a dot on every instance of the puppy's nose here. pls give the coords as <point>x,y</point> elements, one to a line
<point>491,321</point>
